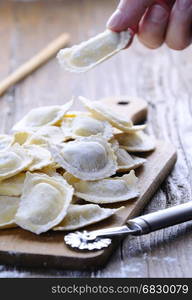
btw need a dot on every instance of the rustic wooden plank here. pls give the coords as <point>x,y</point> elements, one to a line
<point>162,76</point>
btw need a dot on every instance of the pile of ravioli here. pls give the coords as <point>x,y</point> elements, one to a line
<point>59,166</point>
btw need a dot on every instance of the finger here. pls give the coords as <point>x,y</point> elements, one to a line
<point>179,32</point>
<point>128,14</point>
<point>152,28</point>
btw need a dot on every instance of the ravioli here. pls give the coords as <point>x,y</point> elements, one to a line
<point>13,161</point>
<point>79,216</point>
<point>126,161</point>
<point>12,186</point>
<point>83,126</point>
<point>8,208</point>
<point>108,190</point>
<point>136,142</point>
<point>44,202</point>
<point>102,112</point>
<point>42,116</point>
<point>82,57</point>
<point>41,157</point>
<point>53,134</point>
<point>5,141</point>
<point>88,158</point>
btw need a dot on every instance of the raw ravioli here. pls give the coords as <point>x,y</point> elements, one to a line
<point>126,161</point>
<point>79,216</point>
<point>82,57</point>
<point>12,186</point>
<point>8,208</point>
<point>5,141</point>
<point>136,142</point>
<point>88,158</point>
<point>41,157</point>
<point>42,116</point>
<point>44,202</point>
<point>13,160</point>
<point>83,126</point>
<point>102,112</point>
<point>109,190</point>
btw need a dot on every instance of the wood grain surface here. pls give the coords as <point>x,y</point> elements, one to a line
<point>162,77</point>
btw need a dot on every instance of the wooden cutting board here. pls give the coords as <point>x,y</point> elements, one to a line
<point>20,247</point>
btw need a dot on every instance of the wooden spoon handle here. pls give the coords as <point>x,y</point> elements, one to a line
<point>35,62</point>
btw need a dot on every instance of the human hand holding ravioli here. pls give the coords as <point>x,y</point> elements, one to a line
<point>155,21</point>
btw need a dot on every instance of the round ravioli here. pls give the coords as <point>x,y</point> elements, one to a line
<point>44,202</point>
<point>12,186</point>
<point>136,142</point>
<point>126,161</point>
<point>13,160</point>
<point>8,209</point>
<point>42,116</point>
<point>84,126</point>
<point>79,216</point>
<point>41,157</point>
<point>102,112</point>
<point>5,141</point>
<point>109,190</point>
<point>86,158</point>
<point>82,57</point>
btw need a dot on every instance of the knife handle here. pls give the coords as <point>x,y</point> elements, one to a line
<point>162,218</point>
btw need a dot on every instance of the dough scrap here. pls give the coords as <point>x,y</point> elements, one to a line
<point>83,126</point>
<point>13,161</point>
<point>82,57</point>
<point>8,208</point>
<point>42,116</point>
<point>102,112</point>
<point>79,216</point>
<point>136,142</point>
<point>12,186</point>
<point>108,190</point>
<point>88,158</point>
<point>44,202</point>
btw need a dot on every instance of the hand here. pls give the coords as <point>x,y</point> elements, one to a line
<point>156,22</point>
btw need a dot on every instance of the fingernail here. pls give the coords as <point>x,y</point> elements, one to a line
<point>116,20</point>
<point>158,14</point>
<point>184,4</point>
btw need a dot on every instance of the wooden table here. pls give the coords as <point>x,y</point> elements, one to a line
<point>163,77</point>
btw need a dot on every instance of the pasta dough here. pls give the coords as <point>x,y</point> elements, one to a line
<point>44,202</point>
<point>82,57</point>
<point>109,190</point>
<point>136,142</point>
<point>42,116</point>
<point>86,158</point>
<point>79,216</point>
<point>8,208</point>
